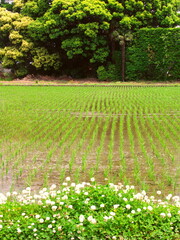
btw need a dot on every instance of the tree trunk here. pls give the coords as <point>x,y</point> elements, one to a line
<point>123,58</point>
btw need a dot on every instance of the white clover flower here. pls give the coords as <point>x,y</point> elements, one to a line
<point>93,207</point>
<point>119,194</point>
<point>37,216</point>
<point>81,218</point>
<point>48,202</point>
<point>128,206</point>
<point>68,179</point>
<point>29,226</point>
<point>54,208</point>
<point>139,196</point>
<point>24,191</point>
<point>114,237</point>
<point>34,230</point>
<point>64,184</point>
<point>86,193</point>
<point>133,211</point>
<point>40,202</point>
<point>41,220</point>
<point>23,214</point>
<point>91,219</point>
<point>54,230</point>
<point>53,186</point>
<point>8,194</point>
<point>176,198</point>
<point>59,228</point>
<point>144,208</point>
<point>169,215</point>
<point>3,198</point>
<point>162,215</point>
<point>138,210</point>
<point>112,213</point>
<point>65,197</point>
<point>73,184</point>
<point>19,230</point>
<point>149,208</point>
<point>70,206</point>
<point>116,206</point>
<point>50,226</point>
<point>169,196</point>
<point>102,205</point>
<point>1,216</point>
<point>61,203</point>
<point>125,199</point>
<point>92,179</point>
<point>53,221</point>
<point>47,218</point>
<point>52,203</point>
<point>78,191</point>
<point>53,194</point>
<point>86,201</point>
<point>106,218</point>
<point>1,226</point>
<point>143,193</point>
<point>158,192</point>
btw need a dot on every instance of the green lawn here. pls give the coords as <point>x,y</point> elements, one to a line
<point>116,134</point>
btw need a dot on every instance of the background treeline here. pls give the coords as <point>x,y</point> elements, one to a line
<point>110,39</point>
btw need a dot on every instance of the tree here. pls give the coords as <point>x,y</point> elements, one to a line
<point>46,36</point>
<point>18,51</point>
<point>77,28</point>
<point>122,39</point>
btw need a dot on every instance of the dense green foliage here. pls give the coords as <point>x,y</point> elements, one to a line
<point>65,37</point>
<point>88,211</point>
<point>154,55</point>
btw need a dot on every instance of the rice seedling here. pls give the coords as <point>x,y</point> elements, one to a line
<point>128,134</point>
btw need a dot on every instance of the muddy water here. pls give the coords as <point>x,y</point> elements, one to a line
<point>39,168</point>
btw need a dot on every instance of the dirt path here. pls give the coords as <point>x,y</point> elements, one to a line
<point>68,81</point>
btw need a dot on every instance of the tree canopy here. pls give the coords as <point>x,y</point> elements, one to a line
<point>59,35</point>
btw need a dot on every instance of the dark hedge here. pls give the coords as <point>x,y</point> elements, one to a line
<point>154,55</point>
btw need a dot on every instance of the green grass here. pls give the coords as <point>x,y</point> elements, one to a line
<point>124,134</point>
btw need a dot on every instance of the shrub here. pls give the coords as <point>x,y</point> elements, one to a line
<point>108,73</point>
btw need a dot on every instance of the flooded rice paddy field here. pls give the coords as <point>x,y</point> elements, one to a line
<point>115,134</point>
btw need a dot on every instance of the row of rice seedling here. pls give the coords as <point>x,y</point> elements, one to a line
<point>117,133</point>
